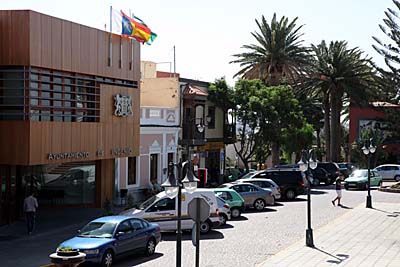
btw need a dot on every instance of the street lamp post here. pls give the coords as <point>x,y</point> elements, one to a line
<point>369,149</point>
<point>306,163</point>
<point>173,188</point>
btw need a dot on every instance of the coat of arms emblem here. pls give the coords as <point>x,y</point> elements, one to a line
<point>123,105</point>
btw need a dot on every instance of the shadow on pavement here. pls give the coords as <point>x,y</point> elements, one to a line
<point>261,211</point>
<point>391,214</point>
<point>226,226</point>
<point>130,260</point>
<point>339,258</point>
<point>170,236</point>
<point>241,218</point>
<point>345,207</point>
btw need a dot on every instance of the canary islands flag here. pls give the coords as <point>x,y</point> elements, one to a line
<point>132,27</point>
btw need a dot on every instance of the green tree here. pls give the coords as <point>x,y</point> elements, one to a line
<point>391,53</point>
<point>277,57</point>
<point>339,74</point>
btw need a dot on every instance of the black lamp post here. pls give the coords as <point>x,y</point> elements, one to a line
<point>369,149</point>
<point>173,188</point>
<point>306,163</point>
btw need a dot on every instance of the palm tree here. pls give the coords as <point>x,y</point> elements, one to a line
<point>277,57</point>
<point>339,73</point>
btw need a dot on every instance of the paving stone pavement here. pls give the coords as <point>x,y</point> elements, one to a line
<point>361,237</point>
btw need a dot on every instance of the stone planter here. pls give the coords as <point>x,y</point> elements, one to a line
<point>67,261</point>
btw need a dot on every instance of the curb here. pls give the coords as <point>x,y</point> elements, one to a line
<point>389,190</point>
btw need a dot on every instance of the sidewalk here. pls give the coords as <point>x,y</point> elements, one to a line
<point>361,237</point>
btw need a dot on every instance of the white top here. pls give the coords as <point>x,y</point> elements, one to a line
<point>30,204</point>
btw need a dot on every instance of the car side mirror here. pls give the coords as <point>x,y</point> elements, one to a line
<point>119,234</point>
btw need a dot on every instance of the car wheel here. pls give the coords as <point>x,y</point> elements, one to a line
<point>259,204</point>
<point>397,178</point>
<point>205,227</point>
<point>346,187</point>
<point>150,247</point>
<point>235,213</point>
<point>328,181</point>
<point>223,219</point>
<point>108,258</point>
<point>315,182</point>
<point>290,194</point>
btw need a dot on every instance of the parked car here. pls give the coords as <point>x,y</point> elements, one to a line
<point>346,168</point>
<point>233,198</point>
<point>332,168</point>
<point>105,238</point>
<point>359,179</point>
<point>389,171</point>
<point>224,210</point>
<point>316,176</point>
<point>264,183</point>
<point>163,210</point>
<point>254,196</point>
<point>291,181</point>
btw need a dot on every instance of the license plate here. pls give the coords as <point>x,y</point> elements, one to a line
<point>352,184</point>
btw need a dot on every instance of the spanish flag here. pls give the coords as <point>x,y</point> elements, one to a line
<point>132,28</point>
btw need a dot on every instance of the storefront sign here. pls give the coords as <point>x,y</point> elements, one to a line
<point>72,155</point>
<point>123,105</point>
<point>121,151</point>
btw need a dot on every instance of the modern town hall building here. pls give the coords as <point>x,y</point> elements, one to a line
<point>69,106</point>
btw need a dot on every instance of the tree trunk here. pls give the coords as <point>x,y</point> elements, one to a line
<point>335,126</point>
<point>327,128</point>
<point>275,153</point>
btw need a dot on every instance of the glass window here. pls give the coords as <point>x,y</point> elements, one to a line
<point>45,78</point>
<point>154,168</point>
<point>34,115</point>
<point>45,115</point>
<point>163,205</point>
<point>211,118</point>
<point>66,184</point>
<point>124,227</point>
<point>136,224</point>
<point>57,88</point>
<point>57,80</point>
<point>58,116</point>
<point>45,86</point>
<point>34,76</point>
<point>67,116</point>
<point>67,89</point>
<point>131,170</point>
<point>34,102</point>
<point>34,85</point>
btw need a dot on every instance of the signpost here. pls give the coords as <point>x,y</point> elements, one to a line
<point>199,211</point>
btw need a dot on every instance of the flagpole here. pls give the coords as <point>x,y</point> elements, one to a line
<point>174,63</point>
<point>110,57</point>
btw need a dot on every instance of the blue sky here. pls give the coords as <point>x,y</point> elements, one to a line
<point>206,33</point>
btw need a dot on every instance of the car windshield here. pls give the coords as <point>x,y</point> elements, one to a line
<point>342,165</point>
<point>148,202</point>
<point>359,173</point>
<point>98,230</point>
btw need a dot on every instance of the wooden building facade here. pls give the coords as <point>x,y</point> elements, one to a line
<point>69,106</point>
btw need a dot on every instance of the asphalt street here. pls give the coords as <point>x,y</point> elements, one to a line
<point>245,242</point>
<point>258,235</point>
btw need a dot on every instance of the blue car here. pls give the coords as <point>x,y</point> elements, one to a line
<point>107,237</point>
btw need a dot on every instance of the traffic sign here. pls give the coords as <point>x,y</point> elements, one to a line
<point>203,206</point>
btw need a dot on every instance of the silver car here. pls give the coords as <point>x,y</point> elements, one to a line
<point>389,171</point>
<point>264,183</point>
<point>224,210</point>
<point>253,195</point>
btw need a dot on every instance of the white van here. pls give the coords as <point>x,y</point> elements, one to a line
<point>163,210</point>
